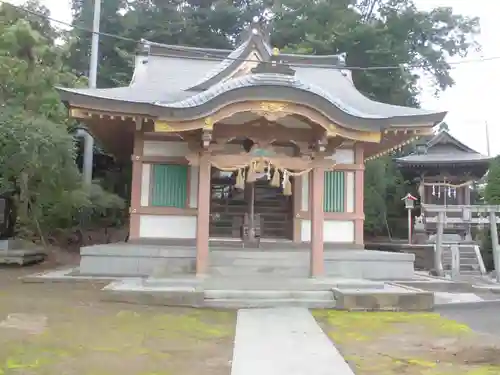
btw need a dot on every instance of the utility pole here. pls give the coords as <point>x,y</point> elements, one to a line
<point>88,152</point>
<point>487,138</point>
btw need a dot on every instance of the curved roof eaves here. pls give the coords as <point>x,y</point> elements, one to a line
<point>264,79</point>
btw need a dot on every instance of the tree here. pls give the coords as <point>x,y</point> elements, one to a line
<point>492,190</point>
<point>214,24</point>
<point>379,33</point>
<point>37,154</point>
<point>31,66</point>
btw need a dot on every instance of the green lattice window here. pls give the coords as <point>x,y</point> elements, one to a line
<point>334,192</point>
<point>169,185</point>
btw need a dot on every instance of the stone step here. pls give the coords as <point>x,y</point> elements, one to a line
<point>259,303</point>
<point>247,262</point>
<point>236,294</point>
<point>466,255</point>
<point>259,271</point>
<point>286,284</point>
<point>391,298</point>
<point>462,261</point>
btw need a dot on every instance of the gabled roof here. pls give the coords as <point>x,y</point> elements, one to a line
<point>445,138</point>
<point>443,148</point>
<point>178,82</point>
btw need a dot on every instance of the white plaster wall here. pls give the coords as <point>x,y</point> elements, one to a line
<point>193,186</point>
<point>145,181</point>
<point>165,148</point>
<point>349,176</point>
<point>163,226</point>
<point>344,156</point>
<point>304,202</point>
<point>333,231</point>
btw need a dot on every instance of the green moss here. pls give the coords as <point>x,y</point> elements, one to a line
<point>364,326</point>
<point>155,337</point>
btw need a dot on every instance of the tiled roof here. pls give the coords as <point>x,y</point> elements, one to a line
<point>165,77</point>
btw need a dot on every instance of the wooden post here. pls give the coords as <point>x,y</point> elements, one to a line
<point>494,243</point>
<point>409,226</point>
<point>317,222</point>
<point>438,257</point>
<point>455,261</point>
<point>203,218</point>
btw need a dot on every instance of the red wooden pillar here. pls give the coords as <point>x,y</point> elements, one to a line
<point>203,218</point>
<point>136,188</point>
<point>317,220</point>
<point>359,188</point>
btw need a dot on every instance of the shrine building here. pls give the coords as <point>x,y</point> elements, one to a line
<point>245,145</point>
<point>445,170</point>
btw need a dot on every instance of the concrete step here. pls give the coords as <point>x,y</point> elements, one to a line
<point>259,271</point>
<point>391,298</point>
<point>259,303</point>
<point>462,256</point>
<point>470,272</point>
<point>237,294</point>
<point>272,283</point>
<point>462,259</point>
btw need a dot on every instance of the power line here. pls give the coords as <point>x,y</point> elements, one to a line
<point>214,57</point>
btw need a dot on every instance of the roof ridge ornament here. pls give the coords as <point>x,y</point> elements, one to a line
<point>274,65</point>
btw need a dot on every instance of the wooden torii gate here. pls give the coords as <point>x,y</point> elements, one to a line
<point>463,214</point>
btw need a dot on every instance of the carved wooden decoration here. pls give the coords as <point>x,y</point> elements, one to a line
<point>206,138</point>
<point>271,111</point>
<point>163,127</point>
<point>224,160</point>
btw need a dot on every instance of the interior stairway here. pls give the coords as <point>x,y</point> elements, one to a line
<point>471,263</point>
<point>229,205</point>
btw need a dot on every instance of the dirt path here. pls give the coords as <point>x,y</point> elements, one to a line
<point>410,344</point>
<point>64,328</point>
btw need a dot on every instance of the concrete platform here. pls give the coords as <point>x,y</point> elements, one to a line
<point>14,251</point>
<point>229,293</point>
<point>125,259</point>
<point>390,298</point>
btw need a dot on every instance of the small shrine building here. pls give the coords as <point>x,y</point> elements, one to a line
<point>445,170</point>
<point>217,137</point>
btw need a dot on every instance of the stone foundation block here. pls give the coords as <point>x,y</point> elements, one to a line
<point>186,297</point>
<point>372,300</point>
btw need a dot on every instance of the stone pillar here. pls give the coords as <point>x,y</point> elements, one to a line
<point>203,218</point>
<point>135,190</point>
<point>317,220</point>
<point>359,186</point>
<point>467,195</point>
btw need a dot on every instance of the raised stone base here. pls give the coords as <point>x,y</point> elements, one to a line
<point>123,259</point>
<point>234,293</point>
<point>374,265</point>
<point>390,298</point>
<point>14,251</point>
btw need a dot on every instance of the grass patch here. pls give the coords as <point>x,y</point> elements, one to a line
<point>83,336</point>
<point>391,343</point>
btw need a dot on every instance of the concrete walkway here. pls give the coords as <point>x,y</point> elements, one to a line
<point>283,341</point>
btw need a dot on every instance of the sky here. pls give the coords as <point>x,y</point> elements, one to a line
<point>470,103</point>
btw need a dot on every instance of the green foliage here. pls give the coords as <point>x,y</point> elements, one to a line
<point>492,190</point>
<point>31,67</point>
<point>37,166</point>
<point>384,188</point>
<point>37,154</point>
